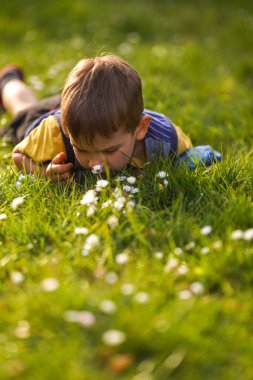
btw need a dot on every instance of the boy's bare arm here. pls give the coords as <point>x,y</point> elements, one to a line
<point>25,163</point>
<point>57,169</point>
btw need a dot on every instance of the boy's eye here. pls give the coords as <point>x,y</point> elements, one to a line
<point>110,151</point>
<point>105,151</point>
<point>80,150</point>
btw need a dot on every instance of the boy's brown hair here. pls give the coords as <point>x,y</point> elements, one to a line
<point>101,95</point>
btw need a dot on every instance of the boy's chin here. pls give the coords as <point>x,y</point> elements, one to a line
<point>112,172</point>
<point>105,170</point>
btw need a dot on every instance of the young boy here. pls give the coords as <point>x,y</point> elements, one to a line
<point>99,120</point>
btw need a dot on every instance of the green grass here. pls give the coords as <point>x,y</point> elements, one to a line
<point>195,59</point>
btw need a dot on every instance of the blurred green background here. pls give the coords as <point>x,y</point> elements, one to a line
<point>194,57</point>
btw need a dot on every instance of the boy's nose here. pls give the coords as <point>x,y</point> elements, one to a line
<point>94,161</point>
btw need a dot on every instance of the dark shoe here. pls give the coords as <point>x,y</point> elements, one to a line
<point>7,73</point>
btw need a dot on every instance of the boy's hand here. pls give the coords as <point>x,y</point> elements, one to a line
<point>58,170</point>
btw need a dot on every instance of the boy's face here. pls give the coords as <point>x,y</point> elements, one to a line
<point>114,152</point>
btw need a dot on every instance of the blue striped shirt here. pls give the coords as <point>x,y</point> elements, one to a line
<point>161,138</point>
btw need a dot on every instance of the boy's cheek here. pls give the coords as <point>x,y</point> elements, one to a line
<point>118,164</point>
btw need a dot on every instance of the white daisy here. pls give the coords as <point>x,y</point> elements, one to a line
<point>161,174</point>
<point>97,169</point>
<point>196,287</point>
<point>206,230</point>
<point>111,278</point>
<point>158,255</point>
<point>112,221</point>
<point>89,198</point>
<point>22,330</point>
<point>81,231</point>
<point>50,284</point>
<point>248,234</point>
<point>17,202</point>
<point>122,258</point>
<point>17,277</point>
<point>106,203</point>
<point>89,244</point>
<point>3,216</point>
<point>91,210</point>
<point>205,250</point>
<point>237,234</point>
<point>127,188</point>
<point>84,318</point>
<point>108,306</point>
<point>131,180</point>
<point>172,263</point>
<point>183,269</point>
<point>101,184</point>
<point>141,297</point>
<point>113,337</point>
<point>185,294</point>
<point>127,289</point>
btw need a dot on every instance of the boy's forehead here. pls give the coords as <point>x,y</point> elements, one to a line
<point>101,142</point>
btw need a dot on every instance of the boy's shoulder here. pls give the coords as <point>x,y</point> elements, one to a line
<point>56,113</point>
<point>159,121</point>
<point>161,131</point>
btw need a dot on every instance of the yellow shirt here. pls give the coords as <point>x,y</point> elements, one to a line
<point>184,141</point>
<point>44,142</point>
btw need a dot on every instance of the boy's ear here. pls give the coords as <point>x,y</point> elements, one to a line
<point>142,127</point>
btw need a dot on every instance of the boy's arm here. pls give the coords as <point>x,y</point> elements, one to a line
<point>57,169</point>
<point>26,164</point>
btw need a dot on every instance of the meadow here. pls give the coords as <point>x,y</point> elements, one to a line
<point>133,279</point>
